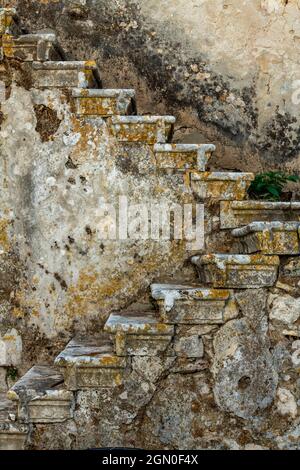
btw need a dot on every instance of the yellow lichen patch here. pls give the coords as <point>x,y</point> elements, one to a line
<point>97,106</point>
<point>87,146</point>
<point>4,238</point>
<point>110,361</point>
<point>176,160</point>
<point>92,293</point>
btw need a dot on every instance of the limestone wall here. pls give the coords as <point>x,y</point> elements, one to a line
<point>228,70</point>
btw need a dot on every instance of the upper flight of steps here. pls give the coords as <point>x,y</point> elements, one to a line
<point>261,232</point>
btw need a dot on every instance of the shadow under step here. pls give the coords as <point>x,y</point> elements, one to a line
<point>41,396</point>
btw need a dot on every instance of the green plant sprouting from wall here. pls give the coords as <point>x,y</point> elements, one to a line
<point>270,185</point>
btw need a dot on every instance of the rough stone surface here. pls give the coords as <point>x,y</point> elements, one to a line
<point>232,80</point>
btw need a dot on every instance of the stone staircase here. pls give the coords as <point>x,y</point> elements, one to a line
<point>172,327</point>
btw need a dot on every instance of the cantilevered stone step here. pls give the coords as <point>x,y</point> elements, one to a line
<point>139,333</point>
<point>238,213</point>
<point>104,102</point>
<point>144,129</point>
<point>237,271</point>
<point>41,396</point>
<point>91,363</point>
<point>66,74</point>
<point>13,436</point>
<point>190,305</point>
<point>8,21</point>
<point>182,157</point>
<point>273,238</point>
<point>32,47</point>
<point>221,185</point>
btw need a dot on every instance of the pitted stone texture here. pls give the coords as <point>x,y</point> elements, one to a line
<point>139,333</point>
<point>221,185</point>
<point>273,238</point>
<point>10,348</point>
<point>32,47</point>
<point>286,403</point>
<point>41,396</point>
<point>245,376</point>
<point>239,213</point>
<point>65,74</point>
<point>190,304</point>
<point>90,362</point>
<point>284,309</point>
<point>104,102</point>
<point>253,305</point>
<point>237,271</point>
<point>182,157</point>
<point>143,129</point>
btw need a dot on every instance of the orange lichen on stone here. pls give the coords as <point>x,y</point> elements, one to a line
<point>4,238</point>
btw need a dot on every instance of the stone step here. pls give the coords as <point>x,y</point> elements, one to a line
<point>273,238</point>
<point>144,129</point>
<point>91,363</point>
<point>235,214</point>
<point>8,21</point>
<point>13,436</point>
<point>70,74</point>
<point>139,333</point>
<point>220,186</point>
<point>104,102</point>
<point>237,271</point>
<point>182,157</point>
<point>191,305</point>
<point>42,397</point>
<point>32,47</point>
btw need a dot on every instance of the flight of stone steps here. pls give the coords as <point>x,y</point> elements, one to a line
<point>260,233</point>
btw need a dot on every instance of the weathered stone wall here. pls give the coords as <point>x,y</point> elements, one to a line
<point>227,70</point>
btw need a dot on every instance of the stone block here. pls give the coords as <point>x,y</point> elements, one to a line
<point>77,74</point>
<point>143,129</point>
<point>31,47</point>
<point>91,363</point>
<point>10,348</point>
<point>221,185</point>
<point>190,304</point>
<point>41,396</point>
<point>237,271</point>
<point>182,157</point>
<point>104,102</point>
<point>139,333</point>
<point>188,342</point>
<point>273,238</point>
<point>13,436</point>
<point>239,213</point>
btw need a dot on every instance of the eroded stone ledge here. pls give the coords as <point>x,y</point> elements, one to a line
<point>58,74</point>
<point>237,271</point>
<point>143,129</point>
<point>279,238</point>
<point>104,102</point>
<point>182,157</point>
<point>238,213</point>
